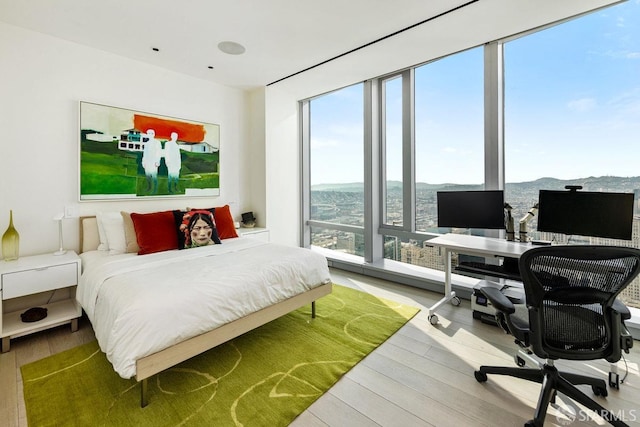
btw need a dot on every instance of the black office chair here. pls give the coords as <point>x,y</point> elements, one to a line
<point>570,293</point>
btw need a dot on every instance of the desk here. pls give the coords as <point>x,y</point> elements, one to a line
<point>472,245</point>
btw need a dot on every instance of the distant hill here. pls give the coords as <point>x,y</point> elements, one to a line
<point>592,183</point>
<point>601,183</point>
<point>353,187</point>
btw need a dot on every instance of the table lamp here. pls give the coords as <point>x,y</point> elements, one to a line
<point>61,250</point>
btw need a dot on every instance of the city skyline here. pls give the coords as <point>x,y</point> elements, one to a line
<point>344,204</point>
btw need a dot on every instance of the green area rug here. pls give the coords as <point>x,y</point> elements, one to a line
<point>266,377</point>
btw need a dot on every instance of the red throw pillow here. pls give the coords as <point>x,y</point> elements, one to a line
<point>224,222</point>
<point>155,232</point>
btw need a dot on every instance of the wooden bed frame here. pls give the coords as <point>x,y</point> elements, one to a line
<point>171,356</point>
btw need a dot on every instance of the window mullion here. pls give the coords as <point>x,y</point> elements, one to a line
<point>408,152</point>
<point>382,94</point>
<point>373,173</point>
<point>493,117</point>
<point>305,173</point>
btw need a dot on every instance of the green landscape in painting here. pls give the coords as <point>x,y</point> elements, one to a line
<point>107,170</point>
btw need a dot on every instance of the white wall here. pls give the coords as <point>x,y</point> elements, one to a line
<point>254,156</point>
<point>282,158</point>
<point>44,78</point>
<point>472,26</point>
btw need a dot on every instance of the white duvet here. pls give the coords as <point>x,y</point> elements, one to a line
<point>140,304</point>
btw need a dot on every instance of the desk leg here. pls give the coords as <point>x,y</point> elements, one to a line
<point>449,295</point>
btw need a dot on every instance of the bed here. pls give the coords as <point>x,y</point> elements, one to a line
<point>153,311</point>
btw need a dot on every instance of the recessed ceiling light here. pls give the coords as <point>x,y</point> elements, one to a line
<point>232,48</point>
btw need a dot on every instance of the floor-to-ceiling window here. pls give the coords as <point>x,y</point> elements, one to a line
<point>392,130</point>
<point>449,127</point>
<point>336,167</point>
<point>447,136</point>
<point>571,116</point>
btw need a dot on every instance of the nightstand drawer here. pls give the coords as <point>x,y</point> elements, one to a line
<point>255,233</point>
<point>37,280</point>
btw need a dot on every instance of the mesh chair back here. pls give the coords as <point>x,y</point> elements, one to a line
<point>570,291</point>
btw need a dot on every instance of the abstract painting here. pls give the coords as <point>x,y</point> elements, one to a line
<point>126,154</point>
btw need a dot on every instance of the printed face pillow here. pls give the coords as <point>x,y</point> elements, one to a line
<point>196,227</point>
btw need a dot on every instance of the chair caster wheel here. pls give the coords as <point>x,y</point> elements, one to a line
<point>455,301</point>
<point>519,361</point>
<point>599,391</point>
<point>433,319</point>
<point>480,376</point>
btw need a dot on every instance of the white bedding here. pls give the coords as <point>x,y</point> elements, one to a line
<point>140,304</point>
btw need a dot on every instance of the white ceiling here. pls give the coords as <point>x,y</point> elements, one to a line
<point>282,37</point>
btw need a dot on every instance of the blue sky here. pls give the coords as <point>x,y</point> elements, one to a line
<point>572,109</point>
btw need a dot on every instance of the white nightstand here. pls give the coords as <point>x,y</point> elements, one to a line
<point>23,279</point>
<point>255,232</point>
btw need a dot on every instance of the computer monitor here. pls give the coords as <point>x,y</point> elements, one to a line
<point>471,209</point>
<point>586,213</point>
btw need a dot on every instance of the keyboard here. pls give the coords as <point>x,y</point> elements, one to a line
<point>487,270</point>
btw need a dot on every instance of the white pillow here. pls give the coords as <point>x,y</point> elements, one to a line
<point>104,245</point>
<point>112,237</point>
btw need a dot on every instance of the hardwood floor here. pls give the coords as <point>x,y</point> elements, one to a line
<point>29,349</point>
<point>422,376</point>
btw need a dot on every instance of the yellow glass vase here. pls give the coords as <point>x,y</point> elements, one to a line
<point>10,241</point>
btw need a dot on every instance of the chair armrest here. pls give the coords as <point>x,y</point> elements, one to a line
<point>621,308</point>
<point>626,340</point>
<point>498,300</point>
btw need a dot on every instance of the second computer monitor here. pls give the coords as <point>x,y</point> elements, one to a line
<point>471,209</point>
<point>586,213</point>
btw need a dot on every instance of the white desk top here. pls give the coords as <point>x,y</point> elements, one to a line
<point>480,245</point>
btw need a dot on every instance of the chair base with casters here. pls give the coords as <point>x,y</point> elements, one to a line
<point>554,381</point>
<point>526,358</point>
